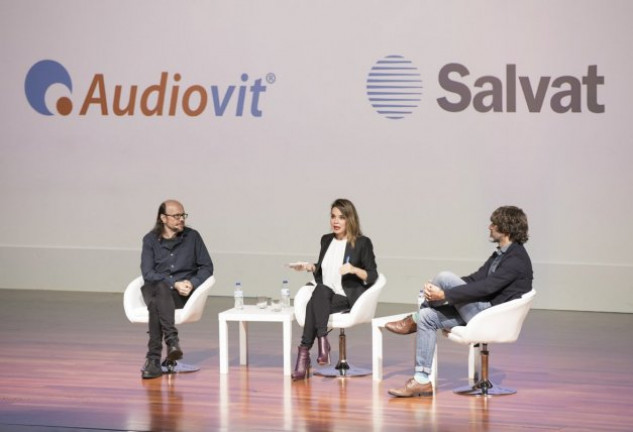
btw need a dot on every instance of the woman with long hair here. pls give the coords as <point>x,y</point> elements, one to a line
<point>345,269</point>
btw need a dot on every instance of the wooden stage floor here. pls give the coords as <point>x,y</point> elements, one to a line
<point>71,362</point>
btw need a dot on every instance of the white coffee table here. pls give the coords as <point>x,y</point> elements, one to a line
<point>377,328</point>
<point>253,313</point>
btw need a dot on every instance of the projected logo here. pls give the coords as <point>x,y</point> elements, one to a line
<point>394,87</point>
<point>165,96</point>
<point>40,77</point>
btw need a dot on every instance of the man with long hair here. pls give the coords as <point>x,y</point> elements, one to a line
<point>452,301</point>
<point>174,262</point>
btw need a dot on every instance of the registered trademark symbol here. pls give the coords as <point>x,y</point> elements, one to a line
<point>271,78</point>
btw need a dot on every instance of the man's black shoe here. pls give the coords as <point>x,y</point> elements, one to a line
<point>152,369</point>
<point>174,352</point>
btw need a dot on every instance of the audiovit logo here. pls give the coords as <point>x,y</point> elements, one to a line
<point>394,90</point>
<point>165,97</point>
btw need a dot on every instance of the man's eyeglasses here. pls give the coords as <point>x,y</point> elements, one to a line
<point>178,216</point>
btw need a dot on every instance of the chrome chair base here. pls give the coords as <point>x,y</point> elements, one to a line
<point>341,370</point>
<point>172,367</point>
<point>484,388</point>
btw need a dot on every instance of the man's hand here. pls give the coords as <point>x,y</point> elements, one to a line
<point>433,292</point>
<point>183,287</point>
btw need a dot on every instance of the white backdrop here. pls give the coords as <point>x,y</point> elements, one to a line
<point>79,191</point>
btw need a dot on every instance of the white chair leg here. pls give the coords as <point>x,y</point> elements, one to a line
<point>376,350</point>
<point>433,375</point>
<point>472,363</point>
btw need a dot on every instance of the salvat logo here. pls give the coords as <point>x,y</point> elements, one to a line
<point>394,89</point>
<point>166,97</point>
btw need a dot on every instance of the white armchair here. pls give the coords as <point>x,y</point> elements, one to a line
<point>498,324</point>
<point>362,311</point>
<point>136,311</point>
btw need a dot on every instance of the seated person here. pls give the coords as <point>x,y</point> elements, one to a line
<point>452,301</point>
<point>345,270</point>
<point>174,262</point>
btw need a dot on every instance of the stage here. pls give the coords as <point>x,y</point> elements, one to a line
<point>71,362</point>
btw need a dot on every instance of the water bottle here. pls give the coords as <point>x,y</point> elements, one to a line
<point>238,294</point>
<point>421,297</point>
<point>285,294</point>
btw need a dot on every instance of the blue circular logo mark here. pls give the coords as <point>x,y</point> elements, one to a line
<point>394,87</point>
<point>39,78</point>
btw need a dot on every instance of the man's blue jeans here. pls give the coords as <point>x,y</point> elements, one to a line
<point>433,318</point>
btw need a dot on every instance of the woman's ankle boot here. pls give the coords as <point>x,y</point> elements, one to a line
<point>302,368</point>
<point>324,351</point>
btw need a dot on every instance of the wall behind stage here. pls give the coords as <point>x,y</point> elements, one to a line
<point>256,115</point>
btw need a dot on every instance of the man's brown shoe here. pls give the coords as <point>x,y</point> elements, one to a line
<point>404,326</point>
<point>413,388</point>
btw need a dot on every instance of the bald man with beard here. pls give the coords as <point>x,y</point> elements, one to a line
<point>174,262</point>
